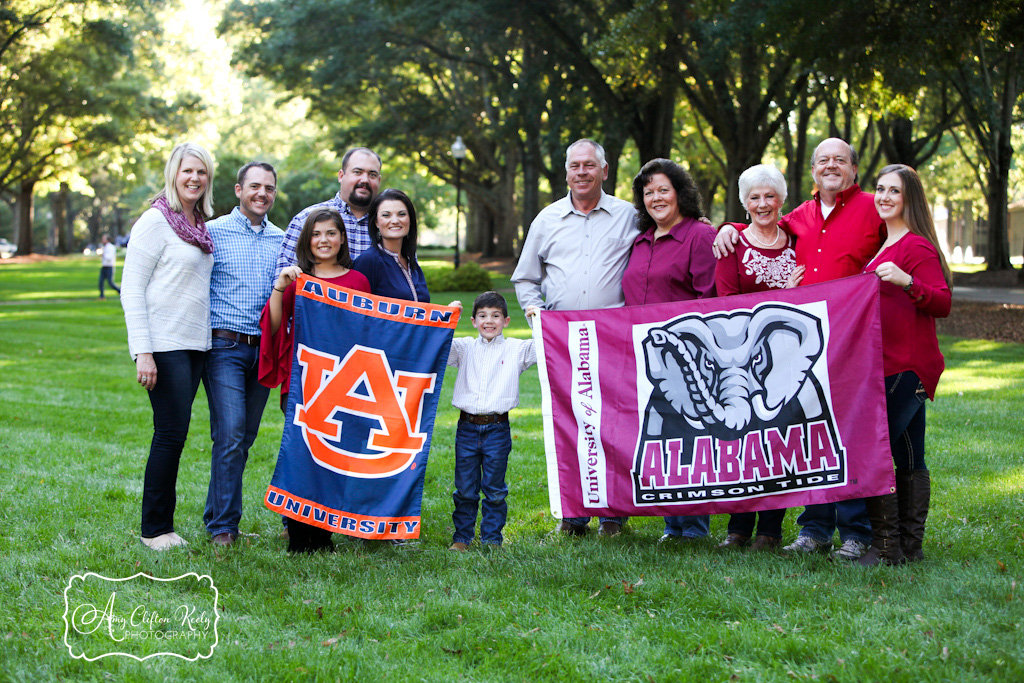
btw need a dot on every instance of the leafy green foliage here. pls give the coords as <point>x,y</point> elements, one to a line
<point>468,277</point>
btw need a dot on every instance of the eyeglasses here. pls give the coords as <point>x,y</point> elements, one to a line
<point>837,159</point>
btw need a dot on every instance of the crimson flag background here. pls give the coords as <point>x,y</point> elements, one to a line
<point>734,404</point>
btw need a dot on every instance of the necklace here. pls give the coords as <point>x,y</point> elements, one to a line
<point>766,246</point>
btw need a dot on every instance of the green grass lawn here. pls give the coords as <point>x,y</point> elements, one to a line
<point>74,435</point>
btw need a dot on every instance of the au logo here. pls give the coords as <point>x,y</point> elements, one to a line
<point>362,384</point>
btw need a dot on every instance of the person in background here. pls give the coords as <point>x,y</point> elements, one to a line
<point>915,290</point>
<point>671,261</point>
<point>764,259</point>
<point>108,259</point>
<point>166,299</point>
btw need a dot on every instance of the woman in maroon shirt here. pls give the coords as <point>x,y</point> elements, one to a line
<point>672,258</point>
<point>671,261</point>
<point>764,259</point>
<point>915,290</point>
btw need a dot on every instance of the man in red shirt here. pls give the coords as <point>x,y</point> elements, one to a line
<point>837,231</point>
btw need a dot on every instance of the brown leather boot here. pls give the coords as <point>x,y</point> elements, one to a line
<point>914,512</point>
<point>883,511</point>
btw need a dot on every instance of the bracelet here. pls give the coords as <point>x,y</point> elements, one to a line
<point>910,284</point>
<point>278,290</point>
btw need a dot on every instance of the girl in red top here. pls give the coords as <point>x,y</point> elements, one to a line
<point>321,251</point>
<point>915,290</point>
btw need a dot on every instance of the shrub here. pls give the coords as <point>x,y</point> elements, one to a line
<point>468,277</point>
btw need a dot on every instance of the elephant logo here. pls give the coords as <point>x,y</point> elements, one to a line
<point>726,391</point>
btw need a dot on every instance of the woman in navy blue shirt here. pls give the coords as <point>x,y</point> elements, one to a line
<point>390,264</point>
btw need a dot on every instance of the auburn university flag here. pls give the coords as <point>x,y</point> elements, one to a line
<point>366,375</point>
<point>735,404</point>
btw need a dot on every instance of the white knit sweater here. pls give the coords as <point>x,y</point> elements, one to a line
<point>165,289</point>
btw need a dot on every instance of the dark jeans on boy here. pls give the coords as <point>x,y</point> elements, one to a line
<point>481,459</point>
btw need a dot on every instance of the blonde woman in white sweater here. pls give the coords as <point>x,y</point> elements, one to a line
<point>165,293</point>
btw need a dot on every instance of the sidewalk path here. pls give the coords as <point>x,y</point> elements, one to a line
<point>995,295</point>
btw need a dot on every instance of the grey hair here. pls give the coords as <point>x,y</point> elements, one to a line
<point>762,175</point>
<point>597,148</point>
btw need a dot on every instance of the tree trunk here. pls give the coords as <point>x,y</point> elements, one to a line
<point>798,162</point>
<point>532,166</point>
<point>653,128</point>
<point>58,204</point>
<point>734,210</point>
<point>94,224</point>
<point>999,171</point>
<point>25,216</point>
<point>473,213</point>
<point>506,225</point>
<point>998,253</point>
<point>613,151</point>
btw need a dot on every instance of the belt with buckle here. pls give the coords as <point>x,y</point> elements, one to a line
<point>482,419</point>
<point>249,339</point>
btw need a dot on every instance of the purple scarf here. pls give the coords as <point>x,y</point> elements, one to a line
<point>197,236</point>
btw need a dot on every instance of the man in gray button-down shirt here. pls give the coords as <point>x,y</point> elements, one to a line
<point>575,255</point>
<point>577,248</point>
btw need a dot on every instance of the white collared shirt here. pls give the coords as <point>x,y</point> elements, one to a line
<point>488,379</point>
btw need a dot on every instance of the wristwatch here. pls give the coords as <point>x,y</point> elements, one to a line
<point>910,284</point>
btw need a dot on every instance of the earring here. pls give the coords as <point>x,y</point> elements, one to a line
<point>748,216</point>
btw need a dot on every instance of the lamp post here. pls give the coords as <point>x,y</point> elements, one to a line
<point>459,153</point>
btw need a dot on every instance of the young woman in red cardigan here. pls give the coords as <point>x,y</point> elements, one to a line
<point>915,290</point>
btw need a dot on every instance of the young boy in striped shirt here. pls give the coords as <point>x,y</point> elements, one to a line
<point>486,388</point>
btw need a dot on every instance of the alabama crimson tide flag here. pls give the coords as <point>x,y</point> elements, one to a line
<point>366,376</point>
<point>741,403</point>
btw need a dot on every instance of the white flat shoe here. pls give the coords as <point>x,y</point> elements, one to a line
<point>177,540</point>
<point>163,541</point>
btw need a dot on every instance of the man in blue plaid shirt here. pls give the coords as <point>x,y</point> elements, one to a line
<point>246,245</point>
<point>359,178</point>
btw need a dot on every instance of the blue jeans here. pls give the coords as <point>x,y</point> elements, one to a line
<point>905,405</point>
<point>177,379</point>
<point>237,400</point>
<point>688,526</point>
<point>107,275</point>
<point>481,459</point>
<point>849,516</point>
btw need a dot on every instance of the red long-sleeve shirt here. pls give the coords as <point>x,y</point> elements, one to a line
<point>908,318</point>
<point>839,245</point>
